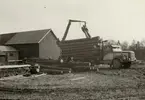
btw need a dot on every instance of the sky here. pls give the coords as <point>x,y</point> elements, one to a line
<point>122,20</point>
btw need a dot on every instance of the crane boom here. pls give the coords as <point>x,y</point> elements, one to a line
<point>84,29</point>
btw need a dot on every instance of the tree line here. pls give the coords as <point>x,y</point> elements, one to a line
<point>135,45</point>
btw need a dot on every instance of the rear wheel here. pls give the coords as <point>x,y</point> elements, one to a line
<point>116,63</point>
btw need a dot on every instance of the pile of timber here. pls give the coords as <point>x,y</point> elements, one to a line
<point>49,66</point>
<point>54,69</point>
<point>81,49</point>
<point>69,67</point>
<point>76,66</point>
<point>43,61</point>
<point>12,70</point>
<point>60,68</point>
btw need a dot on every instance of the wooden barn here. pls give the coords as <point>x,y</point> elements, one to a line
<point>33,44</point>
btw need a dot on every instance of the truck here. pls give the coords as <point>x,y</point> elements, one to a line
<point>94,50</point>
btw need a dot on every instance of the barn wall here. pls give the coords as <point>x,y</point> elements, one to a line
<point>27,50</point>
<point>48,48</point>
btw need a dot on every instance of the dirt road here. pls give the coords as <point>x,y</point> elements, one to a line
<point>107,84</point>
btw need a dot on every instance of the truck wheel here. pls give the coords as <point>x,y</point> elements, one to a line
<point>127,65</point>
<point>116,63</point>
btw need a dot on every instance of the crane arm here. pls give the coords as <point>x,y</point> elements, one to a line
<point>84,29</point>
<point>66,31</point>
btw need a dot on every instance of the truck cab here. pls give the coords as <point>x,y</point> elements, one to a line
<point>118,58</point>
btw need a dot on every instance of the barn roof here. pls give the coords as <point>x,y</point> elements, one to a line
<point>5,37</point>
<point>7,48</point>
<point>29,37</point>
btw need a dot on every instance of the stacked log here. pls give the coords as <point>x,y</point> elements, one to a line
<point>49,66</point>
<point>76,66</point>
<point>65,68</point>
<point>42,61</point>
<point>12,70</point>
<point>81,49</point>
<point>54,70</point>
<point>55,67</point>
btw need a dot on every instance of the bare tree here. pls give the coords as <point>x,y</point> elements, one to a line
<point>142,43</point>
<point>133,45</point>
<point>125,45</point>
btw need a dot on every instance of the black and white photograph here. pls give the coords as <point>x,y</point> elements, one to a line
<point>72,49</point>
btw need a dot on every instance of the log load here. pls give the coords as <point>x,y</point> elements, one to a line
<point>87,49</point>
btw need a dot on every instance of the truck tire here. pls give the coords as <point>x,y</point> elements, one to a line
<point>127,65</point>
<point>116,63</point>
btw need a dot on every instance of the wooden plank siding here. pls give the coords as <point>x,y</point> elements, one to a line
<point>48,47</point>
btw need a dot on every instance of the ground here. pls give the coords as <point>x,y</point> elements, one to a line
<point>105,84</point>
